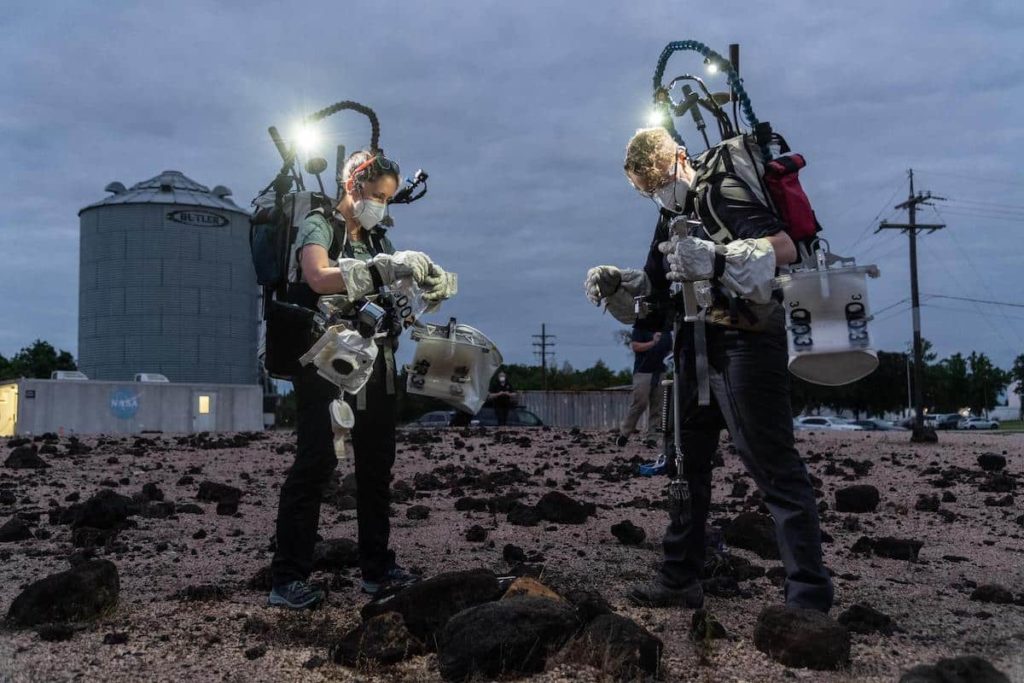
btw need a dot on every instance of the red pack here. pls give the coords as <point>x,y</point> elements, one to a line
<point>782,176</point>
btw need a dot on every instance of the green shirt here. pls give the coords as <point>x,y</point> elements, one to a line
<point>316,229</point>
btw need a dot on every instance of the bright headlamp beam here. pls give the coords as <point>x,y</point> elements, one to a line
<point>656,117</point>
<point>306,138</point>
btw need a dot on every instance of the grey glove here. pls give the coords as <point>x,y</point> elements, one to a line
<point>439,285</point>
<point>747,266</point>
<point>604,281</point>
<point>390,267</point>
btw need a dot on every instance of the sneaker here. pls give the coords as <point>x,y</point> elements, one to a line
<point>395,577</point>
<point>621,441</point>
<point>654,593</point>
<point>295,595</point>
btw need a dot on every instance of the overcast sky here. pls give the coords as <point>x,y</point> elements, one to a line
<point>520,112</point>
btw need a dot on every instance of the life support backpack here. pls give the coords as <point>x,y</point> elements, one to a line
<point>732,175</point>
<point>288,318</point>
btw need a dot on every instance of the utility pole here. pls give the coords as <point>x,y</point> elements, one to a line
<point>543,345</point>
<point>911,228</point>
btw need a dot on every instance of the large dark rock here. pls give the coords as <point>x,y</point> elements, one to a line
<point>628,533</point>
<point>619,647</point>
<point>969,669</point>
<point>861,618</point>
<point>555,506</point>
<point>991,592</point>
<point>82,593</point>
<point>991,462</point>
<point>215,492</point>
<point>859,498</point>
<point>755,532</point>
<point>25,458</point>
<point>523,515</point>
<point>105,510</point>
<point>417,512</point>
<point>335,553</point>
<point>513,636</point>
<point>428,605</point>
<point>887,546</point>
<point>384,639</point>
<point>14,530</point>
<point>802,638</point>
<point>589,604</point>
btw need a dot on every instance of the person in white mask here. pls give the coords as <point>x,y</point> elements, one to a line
<point>745,358</point>
<point>347,252</point>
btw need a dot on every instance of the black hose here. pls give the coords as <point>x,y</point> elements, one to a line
<point>357,107</point>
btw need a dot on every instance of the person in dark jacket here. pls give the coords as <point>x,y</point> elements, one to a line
<point>748,375</point>
<point>650,343</point>
<point>347,252</point>
<point>501,395</point>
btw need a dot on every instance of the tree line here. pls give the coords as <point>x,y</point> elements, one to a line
<point>37,360</point>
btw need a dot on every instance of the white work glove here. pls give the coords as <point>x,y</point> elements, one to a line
<point>394,266</point>
<point>439,285</point>
<point>390,267</point>
<point>616,288</point>
<point>749,269</point>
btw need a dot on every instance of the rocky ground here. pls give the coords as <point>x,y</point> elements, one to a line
<point>926,543</point>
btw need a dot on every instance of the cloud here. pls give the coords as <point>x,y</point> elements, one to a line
<point>520,112</point>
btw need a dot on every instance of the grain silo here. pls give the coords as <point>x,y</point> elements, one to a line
<point>167,284</point>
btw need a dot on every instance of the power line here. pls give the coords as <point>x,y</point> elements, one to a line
<point>981,179</point>
<point>975,301</point>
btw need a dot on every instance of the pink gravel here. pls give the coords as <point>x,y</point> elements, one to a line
<point>173,640</point>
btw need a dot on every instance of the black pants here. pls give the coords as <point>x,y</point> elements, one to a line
<point>750,396</point>
<point>502,406</point>
<point>373,440</point>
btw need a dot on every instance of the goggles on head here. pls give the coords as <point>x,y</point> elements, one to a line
<point>373,168</point>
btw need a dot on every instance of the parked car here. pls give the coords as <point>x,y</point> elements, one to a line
<point>435,419</point>
<point>950,421</point>
<point>150,377</point>
<point>876,425</point>
<point>517,417</point>
<point>977,423</point>
<point>826,423</point>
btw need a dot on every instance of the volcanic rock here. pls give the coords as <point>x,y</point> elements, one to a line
<point>859,498</point>
<point>105,510</point>
<point>428,605</point>
<point>991,592</point>
<point>927,502</point>
<point>476,534</point>
<point>513,636</point>
<point>991,462</point>
<point>14,530</point>
<point>802,638</point>
<point>968,669</point>
<point>755,532</point>
<point>383,639</point>
<point>335,553</point>
<point>861,618</point>
<point>555,506</point>
<point>892,548</point>
<point>617,646</point>
<point>704,626</point>
<point>418,512</point>
<point>628,533</point>
<point>25,458</point>
<point>54,633</point>
<point>513,553</point>
<point>81,593</point>
<point>214,492</point>
<point>529,586</point>
<point>589,604</point>
<point>523,515</point>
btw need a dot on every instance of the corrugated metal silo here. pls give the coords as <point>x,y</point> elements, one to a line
<point>167,284</point>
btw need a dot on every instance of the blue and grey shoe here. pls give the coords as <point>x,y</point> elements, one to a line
<point>394,578</point>
<point>296,595</point>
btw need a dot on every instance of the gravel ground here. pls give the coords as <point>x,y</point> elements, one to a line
<point>236,638</point>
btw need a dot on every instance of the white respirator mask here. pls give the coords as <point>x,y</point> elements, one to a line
<point>369,212</point>
<point>672,197</point>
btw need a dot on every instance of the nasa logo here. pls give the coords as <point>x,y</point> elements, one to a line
<point>199,219</point>
<point>124,403</point>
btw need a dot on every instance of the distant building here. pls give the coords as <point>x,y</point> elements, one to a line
<point>167,284</point>
<point>83,406</point>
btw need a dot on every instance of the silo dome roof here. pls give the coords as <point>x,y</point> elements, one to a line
<point>170,187</point>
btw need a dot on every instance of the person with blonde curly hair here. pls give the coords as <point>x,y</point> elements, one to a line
<point>747,371</point>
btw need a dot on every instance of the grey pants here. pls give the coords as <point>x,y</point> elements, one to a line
<point>647,397</point>
<point>750,397</point>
